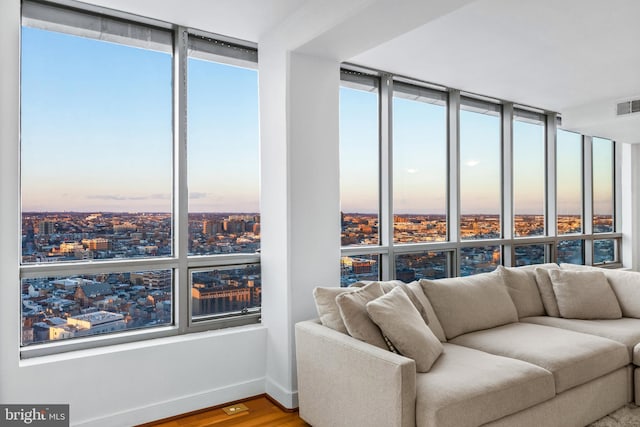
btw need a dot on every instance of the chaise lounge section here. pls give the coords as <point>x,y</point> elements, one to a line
<point>503,360</point>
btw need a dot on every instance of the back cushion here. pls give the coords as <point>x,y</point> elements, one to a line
<point>584,295</point>
<point>468,304</point>
<point>523,289</point>
<point>625,284</point>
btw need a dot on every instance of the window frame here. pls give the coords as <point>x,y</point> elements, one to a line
<point>224,50</point>
<point>508,242</point>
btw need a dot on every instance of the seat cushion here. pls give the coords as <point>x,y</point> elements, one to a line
<point>636,355</point>
<point>625,330</point>
<point>467,387</point>
<point>467,304</point>
<point>573,358</point>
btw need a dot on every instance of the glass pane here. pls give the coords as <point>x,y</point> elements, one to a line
<point>359,166</point>
<point>528,177</point>
<point>604,251</point>
<point>571,252</point>
<point>425,265</point>
<point>603,199</point>
<point>480,170</point>
<point>64,307</point>
<point>359,267</point>
<point>224,290</point>
<point>223,159</point>
<point>569,182</point>
<point>530,254</point>
<point>419,170</point>
<point>481,259</point>
<point>96,117</point>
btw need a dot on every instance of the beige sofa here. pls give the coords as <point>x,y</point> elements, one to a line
<point>504,360</point>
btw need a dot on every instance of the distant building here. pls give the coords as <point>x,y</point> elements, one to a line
<point>100,322</point>
<point>220,299</point>
<point>46,227</point>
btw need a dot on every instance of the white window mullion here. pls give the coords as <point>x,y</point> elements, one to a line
<point>385,220</point>
<point>180,191</point>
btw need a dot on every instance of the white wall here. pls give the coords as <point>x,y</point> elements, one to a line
<point>112,386</point>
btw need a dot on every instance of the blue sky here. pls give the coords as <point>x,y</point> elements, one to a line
<point>97,129</point>
<point>420,161</point>
<point>97,136</point>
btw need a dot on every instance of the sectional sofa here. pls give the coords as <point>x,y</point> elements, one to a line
<point>544,345</point>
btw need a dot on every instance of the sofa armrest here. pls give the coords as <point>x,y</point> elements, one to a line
<point>346,382</point>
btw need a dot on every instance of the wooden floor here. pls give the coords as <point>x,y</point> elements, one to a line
<point>262,412</point>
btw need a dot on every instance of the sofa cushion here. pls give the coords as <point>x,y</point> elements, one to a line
<point>401,323</point>
<point>546,291</point>
<point>625,330</point>
<point>625,284</point>
<point>636,355</point>
<point>354,314</point>
<point>572,357</point>
<point>467,304</point>
<point>467,387</point>
<point>420,301</point>
<point>523,290</point>
<point>327,307</point>
<point>584,295</point>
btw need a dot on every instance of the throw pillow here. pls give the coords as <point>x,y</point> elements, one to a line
<point>402,324</point>
<point>523,289</point>
<point>471,303</point>
<point>546,291</point>
<point>327,308</point>
<point>584,295</point>
<point>354,314</point>
<point>625,284</point>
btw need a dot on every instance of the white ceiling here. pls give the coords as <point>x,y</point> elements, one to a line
<point>576,57</point>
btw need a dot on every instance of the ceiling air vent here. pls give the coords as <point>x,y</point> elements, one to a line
<point>628,107</point>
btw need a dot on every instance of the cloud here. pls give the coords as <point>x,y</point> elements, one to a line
<point>120,197</point>
<point>412,171</point>
<point>197,195</point>
<point>472,163</point>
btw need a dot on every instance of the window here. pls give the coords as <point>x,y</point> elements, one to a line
<point>419,164</point>
<point>425,265</point>
<point>222,151</point>
<point>107,226</point>
<point>480,169</point>
<point>570,251</point>
<point>528,173</point>
<point>355,268</point>
<point>479,259</point>
<point>496,191</point>
<point>569,182</point>
<point>359,162</point>
<point>603,185</point>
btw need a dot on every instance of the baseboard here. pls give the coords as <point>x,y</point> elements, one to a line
<point>286,398</point>
<point>181,405</point>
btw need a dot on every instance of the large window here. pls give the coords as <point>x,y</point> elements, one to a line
<point>107,225</point>
<point>419,164</point>
<point>603,187</point>
<point>359,140</point>
<point>569,182</point>
<point>528,173</point>
<point>480,169</point>
<point>457,183</point>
